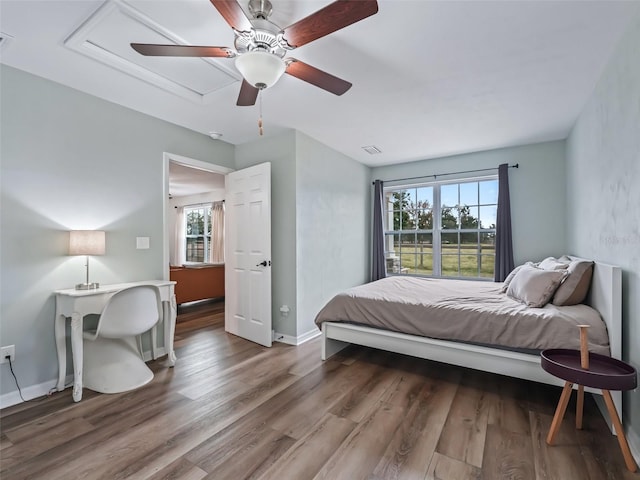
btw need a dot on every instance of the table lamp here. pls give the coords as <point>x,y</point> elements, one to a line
<point>86,242</point>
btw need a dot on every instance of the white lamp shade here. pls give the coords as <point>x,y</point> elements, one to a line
<point>260,69</point>
<point>86,242</point>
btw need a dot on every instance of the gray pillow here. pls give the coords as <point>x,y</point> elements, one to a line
<point>576,286</point>
<point>533,286</point>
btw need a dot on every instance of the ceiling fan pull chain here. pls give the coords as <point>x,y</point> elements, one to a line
<point>260,117</point>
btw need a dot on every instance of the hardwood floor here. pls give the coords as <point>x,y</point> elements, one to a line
<point>231,409</point>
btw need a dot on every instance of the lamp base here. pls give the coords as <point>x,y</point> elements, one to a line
<point>87,286</point>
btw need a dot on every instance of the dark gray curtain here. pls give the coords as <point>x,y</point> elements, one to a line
<point>504,244</point>
<point>379,267</point>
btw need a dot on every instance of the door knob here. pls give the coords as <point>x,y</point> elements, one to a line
<point>264,263</point>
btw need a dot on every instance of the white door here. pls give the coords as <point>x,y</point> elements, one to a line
<point>248,253</point>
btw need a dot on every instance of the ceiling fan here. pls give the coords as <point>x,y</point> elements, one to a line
<point>261,45</point>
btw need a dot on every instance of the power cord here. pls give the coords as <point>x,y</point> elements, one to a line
<point>49,393</point>
<point>8,357</point>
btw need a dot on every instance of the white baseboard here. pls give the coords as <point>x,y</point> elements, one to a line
<point>31,392</point>
<point>633,439</point>
<point>160,352</point>
<point>35,391</point>
<point>305,337</point>
<point>300,339</point>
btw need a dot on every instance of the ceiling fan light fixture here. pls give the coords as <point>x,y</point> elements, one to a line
<point>260,69</point>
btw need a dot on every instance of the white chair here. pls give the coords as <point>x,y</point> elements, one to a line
<point>113,357</point>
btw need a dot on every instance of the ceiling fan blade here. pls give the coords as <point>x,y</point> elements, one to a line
<point>334,16</point>
<point>181,50</point>
<point>233,14</point>
<point>317,77</point>
<point>248,95</point>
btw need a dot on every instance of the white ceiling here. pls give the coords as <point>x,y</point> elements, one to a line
<point>430,78</point>
<point>184,180</point>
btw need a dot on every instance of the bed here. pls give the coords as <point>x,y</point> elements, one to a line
<point>605,297</point>
<point>197,282</point>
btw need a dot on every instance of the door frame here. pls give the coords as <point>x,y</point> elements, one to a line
<point>188,162</point>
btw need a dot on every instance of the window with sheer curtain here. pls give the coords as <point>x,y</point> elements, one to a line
<point>204,233</point>
<point>198,233</point>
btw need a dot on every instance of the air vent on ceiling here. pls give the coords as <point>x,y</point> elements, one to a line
<point>372,149</point>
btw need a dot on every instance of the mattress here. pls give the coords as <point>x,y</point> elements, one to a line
<point>466,311</point>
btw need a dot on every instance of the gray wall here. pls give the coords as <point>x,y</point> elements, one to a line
<point>332,223</point>
<point>603,180</point>
<point>537,191</point>
<point>72,161</point>
<point>280,151</point>
<point>320,217</point>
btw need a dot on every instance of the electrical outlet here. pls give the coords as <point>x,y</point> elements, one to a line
<point>9,351</point>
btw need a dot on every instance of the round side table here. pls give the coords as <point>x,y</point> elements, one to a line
<point>605,373</point>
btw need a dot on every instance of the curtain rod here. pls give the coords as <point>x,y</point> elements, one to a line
<point>201,204</point>
<point>517,165</point>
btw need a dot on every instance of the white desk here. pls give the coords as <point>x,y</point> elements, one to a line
<point>75,304</point>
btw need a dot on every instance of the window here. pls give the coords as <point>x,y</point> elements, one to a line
<point>442,229</point>
<point>198,233</point>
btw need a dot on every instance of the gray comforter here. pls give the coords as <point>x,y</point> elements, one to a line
<point>462,310</point>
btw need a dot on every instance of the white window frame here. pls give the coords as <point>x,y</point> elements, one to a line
<point>207,240</point>
<point>436,231</point>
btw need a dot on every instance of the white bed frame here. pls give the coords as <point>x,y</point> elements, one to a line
<point>605,296</point>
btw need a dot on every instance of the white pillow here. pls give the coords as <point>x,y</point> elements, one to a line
<point>507,280</point>
<point>552,263</point>
<point>533,286</point>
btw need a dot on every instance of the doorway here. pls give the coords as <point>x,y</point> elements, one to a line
<point>191,185</point>
<point>246,238</point>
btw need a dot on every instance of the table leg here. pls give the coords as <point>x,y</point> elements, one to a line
<point>61,348</point>
<point>559,415</point>
<point>580,407</point>
<point>77,351</point>
<point>154,339</point>
<point>622,440</point>
<point>169,313</point>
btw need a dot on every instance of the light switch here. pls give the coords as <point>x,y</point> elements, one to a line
<point>142,243</point>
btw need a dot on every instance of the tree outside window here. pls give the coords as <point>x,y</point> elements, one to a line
<point>198,233</point>
<point>442,229</point>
